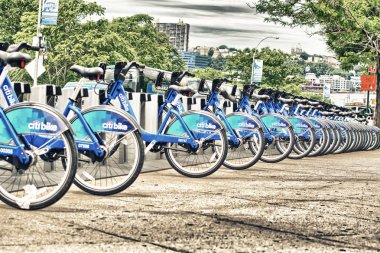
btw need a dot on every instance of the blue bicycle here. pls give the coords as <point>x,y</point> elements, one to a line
<point>38,157</point>
<point>278,130</point>
<point>111,151</point>
<point>303,128</point>
<point>245,133</point>
<point>194,142</point>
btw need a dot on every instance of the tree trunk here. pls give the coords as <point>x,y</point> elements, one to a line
<point>377,108</point>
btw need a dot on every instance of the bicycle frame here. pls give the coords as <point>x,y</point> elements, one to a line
<point>244,106</point>
<point>175,108</point>
<point>96,141</point>
<point>35,121</point>
<point>214,102</point>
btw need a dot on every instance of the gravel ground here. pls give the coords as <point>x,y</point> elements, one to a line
<point>325,204</point>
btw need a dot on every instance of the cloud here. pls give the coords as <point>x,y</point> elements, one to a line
<point>217,22</point>
<point>222,31</point>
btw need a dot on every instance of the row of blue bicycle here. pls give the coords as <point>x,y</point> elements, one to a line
<point>101,149</point>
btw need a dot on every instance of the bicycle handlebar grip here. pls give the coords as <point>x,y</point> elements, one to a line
<point>32,48</point>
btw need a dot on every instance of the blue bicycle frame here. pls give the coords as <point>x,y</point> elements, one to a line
<point>26,124</point>
<point>175,108</point>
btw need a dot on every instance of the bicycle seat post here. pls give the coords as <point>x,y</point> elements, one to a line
<point>77,90</point>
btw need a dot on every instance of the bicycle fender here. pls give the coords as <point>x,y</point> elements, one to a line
<point>196,121</point>
<point>273,121</point>
<point>239,120</point>
<point>106,119</point>
<point>36,118</point>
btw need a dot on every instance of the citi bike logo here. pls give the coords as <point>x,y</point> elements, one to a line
<point>9,95</point>
<point>279,124</point>
<point>37,125</point>
<point>302,125</point>
<point>6,151</point>
<point>206,125</point>
<point>124,102</point>
<point>113,126</point>
<point>246,125</point>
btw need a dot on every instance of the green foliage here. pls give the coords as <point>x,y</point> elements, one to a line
<point>210,52</point>
<point>351,27</point>
<point>73,41</point>
<point>320,68</point>
<point>304,55</point>
<point>218,63</point>
<point>278,66</point>
<point>208,73</point>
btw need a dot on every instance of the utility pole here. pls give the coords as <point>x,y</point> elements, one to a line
<point>35,79</point>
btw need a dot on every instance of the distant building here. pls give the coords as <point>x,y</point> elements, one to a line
<point>314,59</point>
<point>311,78</point>
<point>178,34</point>
<point>338,83</point>
<point>202,50</point>
<point>194,60</point>
<point>332,61</point>
<point>296,50</point>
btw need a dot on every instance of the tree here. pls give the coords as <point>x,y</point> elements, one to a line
<point>73,41</point>
<point>351,27</point>
<point>210,52</point>
<point>208,73</point>
<point>218,63</point>
<point>304,56</point>
<point>320,68</point>
<point>278,66</point>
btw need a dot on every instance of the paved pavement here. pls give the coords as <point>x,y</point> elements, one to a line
<point>324,204</point>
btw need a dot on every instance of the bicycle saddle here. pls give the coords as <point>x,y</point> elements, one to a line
<point>326,113</point>
<point>299,100</point>
<point>305,106</point>
<point>286,100</point>
<point>334,110</point>
<point>90,73</point>
<point>14,59</point>
<point>313,103</point>
<point>261,97</point>
<point>181,88</point>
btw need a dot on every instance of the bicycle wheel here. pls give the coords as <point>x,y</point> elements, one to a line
<point>283,137</point>
<point>212,144</point>
<point>123,156</point>
<point>322,137</point>
<point>49,144</point>
<point>305,138</point>
<point>252,142</point>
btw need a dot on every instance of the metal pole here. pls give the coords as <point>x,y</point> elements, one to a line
<point>368,100</point>
<point>254,54</point>
<point>38,36</point>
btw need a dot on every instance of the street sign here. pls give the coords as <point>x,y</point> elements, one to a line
<point>326,90</point>
<point>31,68</point>
<point>368,83</point>
<point>258,73</point>
<point>49,12</point>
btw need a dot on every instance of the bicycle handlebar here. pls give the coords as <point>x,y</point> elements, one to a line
<point>21,46</point>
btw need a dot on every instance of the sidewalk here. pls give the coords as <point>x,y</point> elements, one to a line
<point>329,203</point>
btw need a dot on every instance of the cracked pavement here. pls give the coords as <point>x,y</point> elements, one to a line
<point>324,204</point>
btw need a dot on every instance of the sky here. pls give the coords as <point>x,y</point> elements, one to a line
<point>220,22</point>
